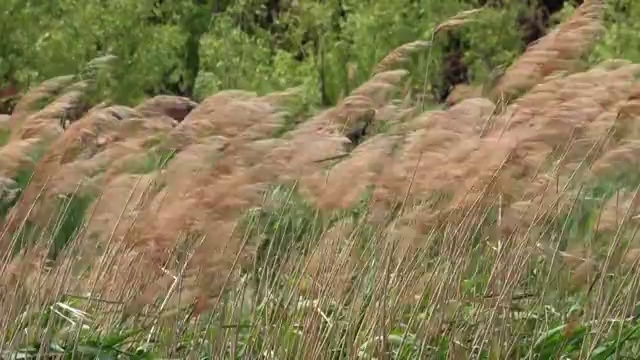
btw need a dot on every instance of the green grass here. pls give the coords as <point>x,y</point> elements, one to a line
<point>72,209</point>
<point>154,159</point>
<point>5,134</point>
<point>20,182</point>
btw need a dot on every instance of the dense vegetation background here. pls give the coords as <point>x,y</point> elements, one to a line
<point>198,47</point>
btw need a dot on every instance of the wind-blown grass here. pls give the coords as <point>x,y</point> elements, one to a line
<point>183,230</point>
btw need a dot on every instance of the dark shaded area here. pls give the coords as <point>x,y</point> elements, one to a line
<point>454,70</point>
<point>532,23</point>
<point>357,134</point>
<point>9,93</point>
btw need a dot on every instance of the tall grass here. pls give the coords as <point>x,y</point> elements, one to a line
<point>481,230</point>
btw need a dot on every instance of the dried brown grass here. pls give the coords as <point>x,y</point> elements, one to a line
<point>440,172</point>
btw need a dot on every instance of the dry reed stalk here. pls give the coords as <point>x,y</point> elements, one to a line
<point>457,20</point>
<point>400,55</point>
<point>328,268</point>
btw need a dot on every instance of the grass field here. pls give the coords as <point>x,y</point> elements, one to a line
<point>254,227</point>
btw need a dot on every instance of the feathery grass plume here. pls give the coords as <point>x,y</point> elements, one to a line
<point>545,192</point>
<point>194,160</point>
<point>115,211</point>
<point>469,115</point>
<point>9,191</point>
<point>562,109</point>
<point>119,146</point>
<point>626,124</point>
<point>400,55</point>
<point>16,156</point>
<point>235,182</point>
<point>473,112</point>
<point>616,210</point>
<point>81,141</point>
<point>210,210</point>
<point>48,123</point>
<point>135,148</point>
<point>577,106</point>
<point>175,107</point>
<point>232,114</point>
<point>557,51</point>
<point>138,126</point>
<point>342,185</point>
<point>209,204</point>
<point>632,257</point>
<point>553,122</point>
<point>616,161</point>
<point>457,20</point>
<point>284,98</point>
<point>442,140</point>
<point>395,113</point>
<point>361,103</point>
<point>37,97</point>
<point>379,87</point>
<point>462,92</point>
<point>583,275</point>
<point>122,150</point>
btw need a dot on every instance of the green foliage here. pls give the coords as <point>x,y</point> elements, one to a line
<point>19,182</point>
<point>5,134</point>
<point>154,159</point>
<point>287,222</point>
<point>492,46</point>
<point>198,48</point>
<point>620,39</point>
<point>72,209</point>
<point>311,44</point>
<point>15,188</point>
<point>60,38</point>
